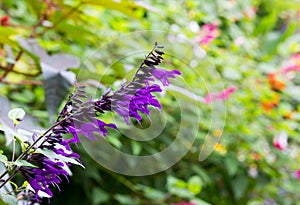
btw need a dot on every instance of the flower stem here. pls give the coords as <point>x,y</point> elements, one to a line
<point>155,46</point>
<point>9,178</point>
<point>13,149</point>
<point>28,149</point>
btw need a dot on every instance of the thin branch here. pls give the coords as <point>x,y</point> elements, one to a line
<point>23,82</point>
<point>28,149</point>
<point>11,66</point>
<point>21,73</point>
<point>69,13</point>
<point>2,175</point>
<point>41,137</point>
<point>9,178</point>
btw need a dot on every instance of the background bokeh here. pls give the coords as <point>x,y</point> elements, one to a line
<point>252,45</point>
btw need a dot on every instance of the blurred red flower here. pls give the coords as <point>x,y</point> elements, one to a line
<point>4,21</point>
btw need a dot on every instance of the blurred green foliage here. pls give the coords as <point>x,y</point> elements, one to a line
<point>254,39</point>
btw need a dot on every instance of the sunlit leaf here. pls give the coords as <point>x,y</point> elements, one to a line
<point>16,115</point>
<point>9,199</point>
<point>195,184</point>
<point>23,163</point>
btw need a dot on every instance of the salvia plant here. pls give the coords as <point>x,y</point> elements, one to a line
<point>45,160</point>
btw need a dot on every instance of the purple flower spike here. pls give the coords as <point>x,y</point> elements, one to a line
<point>163,75</point>
<point>136,96</point>
<point>53,157</point>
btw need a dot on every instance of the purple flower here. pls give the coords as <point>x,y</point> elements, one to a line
<point>163,75</point>
<point>48,173</point>
<point>142,99</point>
<point>130,105</point>
<point>137,96</point>
<point>72,130</point>
<point>51,169</point>
<point>89,129</point>
<point>54,155</point>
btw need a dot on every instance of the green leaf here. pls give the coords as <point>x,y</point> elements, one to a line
<point>57,85</point>
<point>114,141</point>
<point>23,163</point>
<point>3,158</point>
<point>178,187</point>
<point>174,182</point>
<point>239,186</point>
<point>9,199</point>
<point>125,7</point>
<point>152,193</point>
<point>195,184</point>
<point>136,148</point>
<point>231,165</point>
<point>232,74</point>
<point>6,33</point>
<point>125,200</point>
<point>57,81</point>
<point>16,115</point>
<point>200,202</point>
<point>99,196</point>
<point>10,134</point>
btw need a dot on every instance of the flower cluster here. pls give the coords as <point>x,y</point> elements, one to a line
<point>52,158</point>
<point>293,64</point>
<point>208,33</point>
<point>275,83</point>
<point>136,96</point>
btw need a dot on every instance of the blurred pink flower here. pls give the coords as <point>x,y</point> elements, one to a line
<point>280,141</point>
<point>208,33</point>
<point>224,95</point>
<point>293,65</point>
<point>298,174</point>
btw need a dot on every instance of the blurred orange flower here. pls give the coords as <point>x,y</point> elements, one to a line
<point>275,83</point>
<point>269,104</point>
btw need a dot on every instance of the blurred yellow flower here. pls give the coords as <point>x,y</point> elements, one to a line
<point>217,133</point>
<point>220,149</point>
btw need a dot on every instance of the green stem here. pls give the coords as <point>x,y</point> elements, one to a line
<point>28,149</point>
<point>14,149</point>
